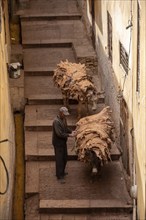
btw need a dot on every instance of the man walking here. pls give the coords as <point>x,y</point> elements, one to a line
<point>59,140</point>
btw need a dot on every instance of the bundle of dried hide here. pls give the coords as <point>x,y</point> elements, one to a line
<point>95,135</point>
<point>75,83</point>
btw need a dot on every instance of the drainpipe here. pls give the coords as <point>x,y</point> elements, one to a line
<point>135,189</point>
<point>134,186</point>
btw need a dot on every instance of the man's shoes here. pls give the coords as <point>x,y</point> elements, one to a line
<point>62,181</point>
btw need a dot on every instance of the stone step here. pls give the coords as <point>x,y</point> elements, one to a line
<point>52,33</point>
<point>46,71</point>
<point>91,216</point>
<point>110,186</point>
<point>83,206</point>
<point>31,178</point>
<point>41,59</point>
<point>40,117</point>
<point>79,193</point>
<point>48,17</point>
<point>41,90</point>
<point>51,7</point>
<point>46,100</point>
<point>48,32</point>
<point>38,146</point>
<point>48,45</point>
<point>103,215</point>
<point>40,73</point>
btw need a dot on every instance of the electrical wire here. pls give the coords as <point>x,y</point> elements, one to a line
<point>6,170</point>
<point>7,175</point>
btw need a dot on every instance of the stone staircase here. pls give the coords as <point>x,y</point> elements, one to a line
<point>53,31</point>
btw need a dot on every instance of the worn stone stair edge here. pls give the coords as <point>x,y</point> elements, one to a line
<point>35,72</point>
<point>43,128</point>
<point>110,216</point>
<point>46,157</point>
<point>59,101</point>
<point>44,72</point>
<point>47,45</point>
<point>28,157</point>
<point>79,57</point>
<point>40,17</point>
<point>49,155</point>
<point>48,101</point>
<point>39,73</point>
<point>82,205</point>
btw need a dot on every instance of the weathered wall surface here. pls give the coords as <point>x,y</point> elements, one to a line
<point>127,104</point>
<point>139,106</point>
<point>7,149</point>
<point>115,80</point>
<point>17,85</point>
<point>111,90</point>
<point>84,8</point>
<point>17,93</point>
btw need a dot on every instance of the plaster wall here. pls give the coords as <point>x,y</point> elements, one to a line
<point>115,80</point>
<point>7,149</point>
<point>139,108</point>
<point>117,84</point>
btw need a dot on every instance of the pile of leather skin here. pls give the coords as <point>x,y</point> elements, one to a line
<point>95,134</point>
<point>74,81</point>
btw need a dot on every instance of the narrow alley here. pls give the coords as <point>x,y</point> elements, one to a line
<point>87,55</point>
<point>53,31</point>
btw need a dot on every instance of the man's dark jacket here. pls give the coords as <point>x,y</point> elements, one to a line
<point>60,132</point>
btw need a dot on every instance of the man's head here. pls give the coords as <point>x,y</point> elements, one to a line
<point>63,111</point>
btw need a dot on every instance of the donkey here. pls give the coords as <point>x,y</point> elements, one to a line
<point>74,83</point>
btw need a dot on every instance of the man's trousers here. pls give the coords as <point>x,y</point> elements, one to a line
<point>61,160</point>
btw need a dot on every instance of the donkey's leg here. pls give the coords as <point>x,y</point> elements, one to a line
<point>79,110</point>
<point>65,100</point>
<point>87,108</point>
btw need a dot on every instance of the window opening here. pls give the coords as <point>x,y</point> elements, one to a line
<point>124,58</point>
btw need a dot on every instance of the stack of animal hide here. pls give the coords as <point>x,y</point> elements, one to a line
<point>95,133</point>
<point>73,80</point>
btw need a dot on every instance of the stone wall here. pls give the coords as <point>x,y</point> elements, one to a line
<point>17,85</point>
<point>111,90</point>
<point>91,64</point>
<point>17,93</point>
<point>83,6</point>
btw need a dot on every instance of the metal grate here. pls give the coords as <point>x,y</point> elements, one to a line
<point>124,58</point>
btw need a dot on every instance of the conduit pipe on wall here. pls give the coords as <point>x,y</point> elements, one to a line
<point>134,186</point>
<point>134,199</point>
